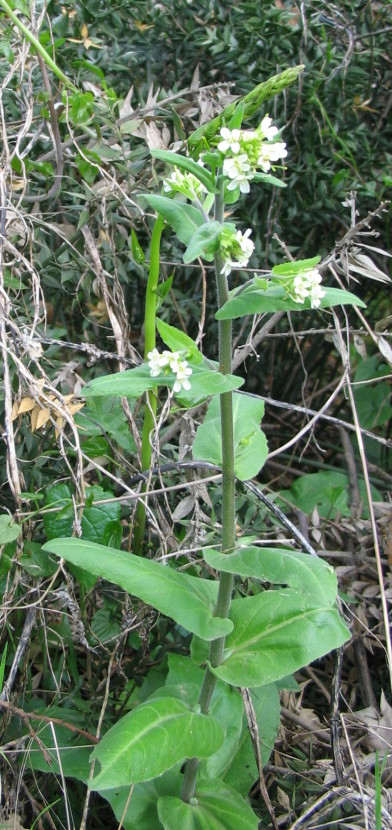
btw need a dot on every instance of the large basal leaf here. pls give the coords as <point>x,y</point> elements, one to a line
<point>183,218</point>
<point>215,807</point>
<point>141,810</point>
<point>308,574</point>
<point>134,382</point>
<point>243,771</point>
<point>275,633</point>
<point>258,301</point>
<point>250,443</point>
<point>186,599</point>
<point>151,740</point>
<point>184,681</point>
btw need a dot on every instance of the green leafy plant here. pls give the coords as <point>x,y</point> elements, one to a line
<point>290,615</point>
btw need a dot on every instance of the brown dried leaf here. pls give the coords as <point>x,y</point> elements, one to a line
<point>26,405</point>
<point>42,418</point>
<point>379,734</point>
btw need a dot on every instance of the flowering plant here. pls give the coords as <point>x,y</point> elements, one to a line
<point>196,715</point>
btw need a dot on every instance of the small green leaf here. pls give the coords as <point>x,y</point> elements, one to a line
<point>289,269</point>
<point>252,300</point>
<point>178,341</point>
<point>81,107</point>
<point>275,633</point>
<point>106,417</point>
<point>9,530</point>
<point>36,561</point>
<point>250,444</point>
<point>265,178</point>
<point>185,163</point>
<point>137,250</point>
<point>105,625</point>
<point>183,218</point>
<point>204,241</point>
<point>215,807</point>
<point>186,599</point>
<point>152,739</point>
<point>112,534</point>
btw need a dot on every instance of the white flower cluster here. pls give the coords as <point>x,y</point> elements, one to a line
<point>306,284</point>
<point>235,249</point>
<point>185,183</point>
<point>170,361</point>
<point>247,151</point>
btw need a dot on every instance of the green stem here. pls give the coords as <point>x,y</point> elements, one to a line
<point>228,505</point>
<point>37,46</point>
<point>151,402</point>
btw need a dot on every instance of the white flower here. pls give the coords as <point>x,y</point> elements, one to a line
<point>246,244</point>
<point>306,284</point>
<point>235,249</point>
<point>170,361</point>
<point>182,377</point>
<point>231,140</point>
<point>157,362</point>
<point>239,171</point>
<point>270,153</point>
<point>268,132</point>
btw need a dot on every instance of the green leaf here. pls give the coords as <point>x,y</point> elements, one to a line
<point>137,250</point>
<point>82,107</point>
<point>185,679</point>
<point>243,772</point>
<point>183,218</point>
<point>36,561</point>
<point>178,341</point>
<point>103,416</point>
<point>95,517</point>
<point>215,807</point>
<point>250,444</point>
<point>134,382</point>
<point>275,633</point>
<point>152,739</point>
<point>227,709</point>
<point>65,753</point>
<point>112,535</point>
<point>328,491</point>
<point>105,625</point>
<point>266,178</point>
<point>9,530</point>
<point>204,241</point>
<point>255,301</point>
<point>289,269</point>
<point>186,599</point>
<point>185,163</point>
<point>141,811</point>
<point>284,567</point>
